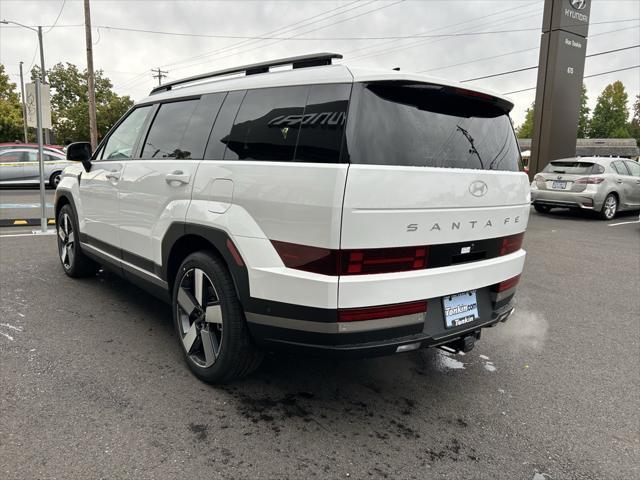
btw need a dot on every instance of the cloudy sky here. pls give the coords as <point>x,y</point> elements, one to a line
<point>185,37</point>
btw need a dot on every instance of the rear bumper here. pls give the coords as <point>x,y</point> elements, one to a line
<point>386,337</point>
<point>588,200</point>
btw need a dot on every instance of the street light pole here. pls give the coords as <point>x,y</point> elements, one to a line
<point>24,104</point>
<point>43,215</point>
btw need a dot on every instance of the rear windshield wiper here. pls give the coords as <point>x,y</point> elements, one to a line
<point>470,139</point>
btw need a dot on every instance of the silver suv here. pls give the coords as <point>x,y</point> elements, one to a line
<point>604,185</point>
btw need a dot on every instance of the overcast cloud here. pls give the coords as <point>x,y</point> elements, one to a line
<point>127,57</point>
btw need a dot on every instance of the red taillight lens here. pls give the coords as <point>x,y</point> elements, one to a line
<point>507,284</point>
<point>511,244</point>
<point>309,259</point>
<point>384,311</point>
<point>589,181</point>
<point>351,262</point>
<point>383,260</point>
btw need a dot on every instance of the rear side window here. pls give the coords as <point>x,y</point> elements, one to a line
<point>620,168</point>
<point>220,133</point>
<point>634,168</point>
<point>572,168</point>
<point>267,124</point>
<point>322,125</point>
<point>165,138</point>
<point>407,124</point>
<point>13,157</point>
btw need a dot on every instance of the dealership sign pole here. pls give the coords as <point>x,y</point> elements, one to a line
<point>565,25</point>
<point>38,106</point>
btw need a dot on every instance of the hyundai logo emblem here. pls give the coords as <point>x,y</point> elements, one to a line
<point>478,188</point>
<point>579,4</point>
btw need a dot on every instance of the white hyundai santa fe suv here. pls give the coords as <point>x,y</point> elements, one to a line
<point>321,209</point>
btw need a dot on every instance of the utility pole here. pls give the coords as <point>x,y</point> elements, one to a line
<point>93,126</point>
<point>160,74</point>
<point>24,104</point>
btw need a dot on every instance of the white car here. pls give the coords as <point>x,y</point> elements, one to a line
<point>20,166</point>
<point>322,209</point>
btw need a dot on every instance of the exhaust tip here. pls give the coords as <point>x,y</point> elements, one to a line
<point>408,347</point>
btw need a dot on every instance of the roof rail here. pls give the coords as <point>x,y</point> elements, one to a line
<point>301,61</point>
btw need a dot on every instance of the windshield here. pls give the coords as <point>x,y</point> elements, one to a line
<point>571,167</point>
<point>425,125</point>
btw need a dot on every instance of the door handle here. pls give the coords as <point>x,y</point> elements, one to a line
<point>113,175</point>
<point>177,176</point>
<point>618,181</point>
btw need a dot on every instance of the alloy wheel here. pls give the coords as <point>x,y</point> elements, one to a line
<point>610,206</point>
<point>199,317</point>
<point>66,241</point>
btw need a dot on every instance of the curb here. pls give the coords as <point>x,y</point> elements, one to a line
<point>24,222</point>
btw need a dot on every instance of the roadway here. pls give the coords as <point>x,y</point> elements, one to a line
<point>92,383</point>
<point>23,203</point>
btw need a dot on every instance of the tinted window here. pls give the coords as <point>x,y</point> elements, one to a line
<point>267,124</point>
<point>634,168</point>
<point>165,138</point>
<point>322,125</point>
<point>426,125</point>
<point>575,168</point>
<point>121,142</point>
<point>222,127</point>
<point>620,168</point>
<point>197,134</point>
<point>12,157</point>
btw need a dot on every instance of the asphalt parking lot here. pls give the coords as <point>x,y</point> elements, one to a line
<point>92,384</point>
<point>19,205</point>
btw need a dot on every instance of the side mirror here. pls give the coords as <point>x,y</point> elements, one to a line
<point>80,152</point>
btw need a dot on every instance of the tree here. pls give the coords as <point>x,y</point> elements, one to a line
<point>583,119</point>
<point>526,129</point>
<point>634,126</point>
<point>610,114</point>
<point>10,110</point>
<point>70,104</point>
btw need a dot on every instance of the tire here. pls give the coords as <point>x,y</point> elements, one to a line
<point>609,207</point>
<point>54,180</point>
<point>210,322</point>
<point>542,208</point>
<point>74,263</point>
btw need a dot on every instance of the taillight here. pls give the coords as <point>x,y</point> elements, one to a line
<point>511,244</point>
<point>383,260</point>
<point>589,180</point>
<point>309,259</point>
<point>507,284</point>
<point>384,311</point>
<point>351,262</point>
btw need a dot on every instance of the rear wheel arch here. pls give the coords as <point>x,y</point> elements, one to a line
<point>181,240</point>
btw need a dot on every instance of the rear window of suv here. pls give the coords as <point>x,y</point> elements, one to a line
<point>431,126</point>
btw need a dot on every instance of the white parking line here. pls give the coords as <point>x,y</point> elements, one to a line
<point>37,234</point>
<point>623,223</point>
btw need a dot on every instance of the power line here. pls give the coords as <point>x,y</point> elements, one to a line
<point>514,52</point>
<point>58,17</point>
<point>293,37</point>
<point>534,67</point>
<point>284,29</point>
<point>586,76</point>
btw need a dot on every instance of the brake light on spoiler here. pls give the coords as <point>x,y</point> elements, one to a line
<point>365,261</point>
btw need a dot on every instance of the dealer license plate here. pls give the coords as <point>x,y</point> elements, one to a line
<point>556,185</point>
<point>460,308</point>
